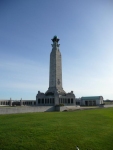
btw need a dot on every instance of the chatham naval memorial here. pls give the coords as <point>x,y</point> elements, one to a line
<point>55,96</point>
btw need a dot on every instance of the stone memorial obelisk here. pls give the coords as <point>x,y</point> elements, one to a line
<point>55,73</point>
<point>55,95</point>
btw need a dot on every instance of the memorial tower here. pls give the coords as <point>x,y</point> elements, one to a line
<point>55,73</point>
<point>55,95</point>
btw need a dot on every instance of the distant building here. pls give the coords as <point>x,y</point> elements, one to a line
<point>91,100</point>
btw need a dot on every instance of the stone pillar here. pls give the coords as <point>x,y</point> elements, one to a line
<point>21,103</point>
<point>74,100</point>
<point>10,102</point>
<point>37,101</point>
<point>44,101</point>
<point>56,99</point>
<point>38,97</point>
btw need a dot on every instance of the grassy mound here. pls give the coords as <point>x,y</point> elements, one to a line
<point>89,129</point>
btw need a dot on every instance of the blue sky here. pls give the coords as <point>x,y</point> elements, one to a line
<point>85,29</point>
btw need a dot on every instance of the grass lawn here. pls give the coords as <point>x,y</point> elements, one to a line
<point>89,129</point>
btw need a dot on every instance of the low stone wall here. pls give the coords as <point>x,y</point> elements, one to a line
<point>26,109</point>
<point>66,108</point>
<point>106,106</point>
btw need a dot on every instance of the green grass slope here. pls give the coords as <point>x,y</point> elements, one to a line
<point>89,129</point>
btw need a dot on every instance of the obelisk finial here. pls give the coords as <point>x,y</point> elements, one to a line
<point>55,39</point>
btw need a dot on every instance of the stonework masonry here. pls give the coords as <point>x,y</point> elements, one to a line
<point>26,109</point>
<point>55,95</point>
